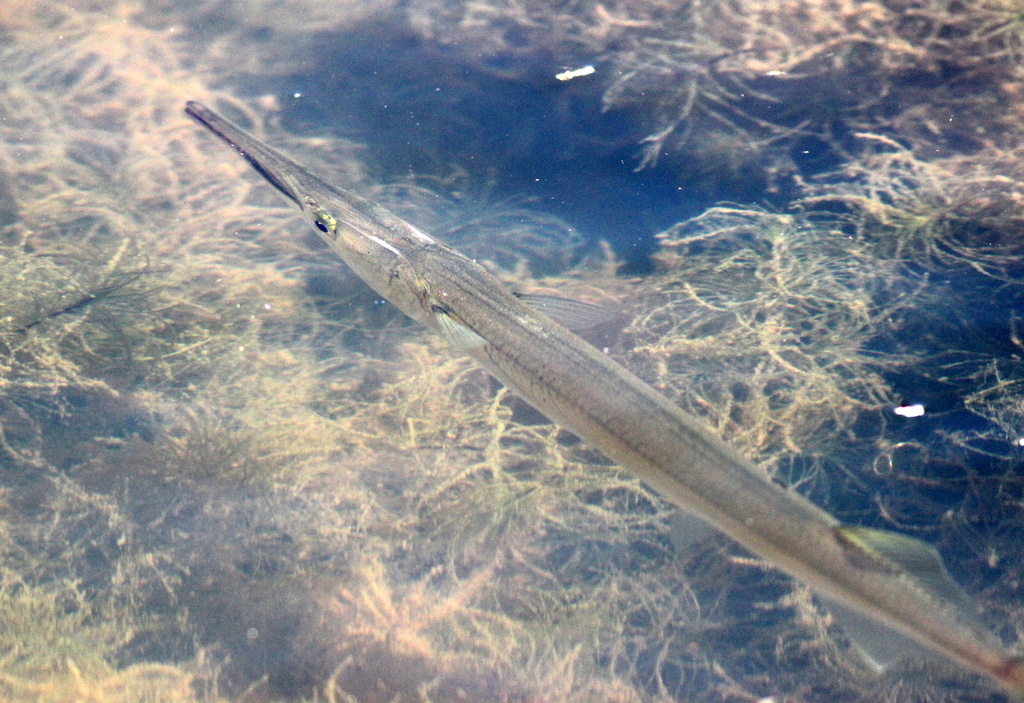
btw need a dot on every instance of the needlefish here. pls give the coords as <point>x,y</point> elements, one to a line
<point>892,579</point>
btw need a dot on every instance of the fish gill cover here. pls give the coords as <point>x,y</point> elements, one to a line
<point>230,473</point>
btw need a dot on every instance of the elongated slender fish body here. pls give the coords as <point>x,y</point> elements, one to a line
<point>894,579</point>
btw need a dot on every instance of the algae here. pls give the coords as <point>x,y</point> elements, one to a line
<point>229,472</point>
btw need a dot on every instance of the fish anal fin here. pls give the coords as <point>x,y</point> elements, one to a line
<point>878,644</point>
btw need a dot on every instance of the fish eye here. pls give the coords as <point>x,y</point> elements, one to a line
<point>323,221</point>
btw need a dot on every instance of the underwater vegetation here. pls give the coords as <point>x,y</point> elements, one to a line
<point>227,472</point>
<point>767,91</point>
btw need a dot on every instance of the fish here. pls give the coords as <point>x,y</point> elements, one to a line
<point>892,579</point>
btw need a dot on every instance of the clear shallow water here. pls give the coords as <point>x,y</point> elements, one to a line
<point>231,472</point>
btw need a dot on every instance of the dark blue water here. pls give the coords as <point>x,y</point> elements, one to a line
<point>424,109</point>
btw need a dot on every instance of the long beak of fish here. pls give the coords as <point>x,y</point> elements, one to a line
<point>267,162</point>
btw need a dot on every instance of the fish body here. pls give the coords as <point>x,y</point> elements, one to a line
<point>896,580</point>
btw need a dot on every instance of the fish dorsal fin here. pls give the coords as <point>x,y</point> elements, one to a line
<point>570,314</point>
<point>909,557</point>
<point>917,564</point>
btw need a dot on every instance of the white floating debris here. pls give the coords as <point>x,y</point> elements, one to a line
<point>575,73</point>
<point>1020,442</point>
<point>915,410</point>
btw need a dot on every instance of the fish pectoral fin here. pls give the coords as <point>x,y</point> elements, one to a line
<point>455,332</point>
<point>574,315</point>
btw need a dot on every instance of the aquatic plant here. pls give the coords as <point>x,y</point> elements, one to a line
<point>942,215</point>
<point>772,89</point>
<point>761,321</point>
<point>229,472</point>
